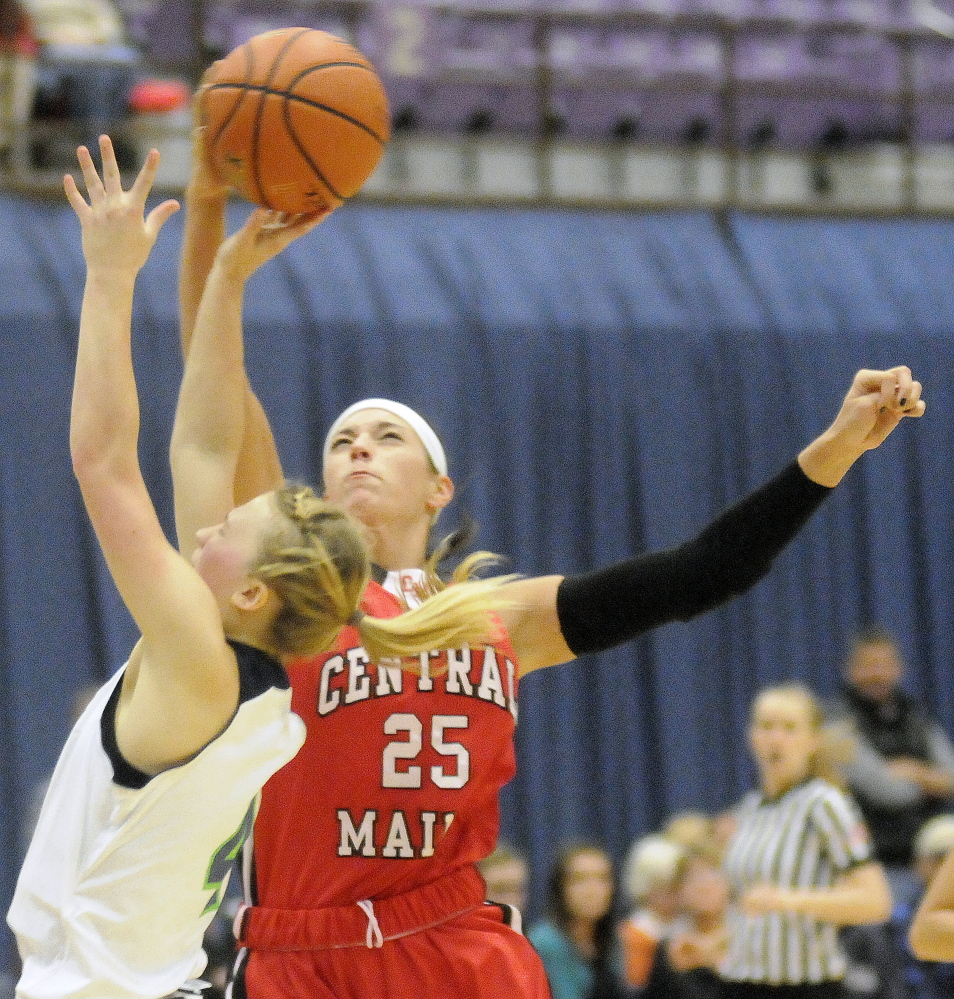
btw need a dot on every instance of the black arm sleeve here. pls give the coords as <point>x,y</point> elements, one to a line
<point>600,609</point>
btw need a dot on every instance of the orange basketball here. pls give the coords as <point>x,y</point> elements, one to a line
<point>296,119</point>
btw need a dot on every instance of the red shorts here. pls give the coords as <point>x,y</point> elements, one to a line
<point>470,955</point>
<point>474,956</point>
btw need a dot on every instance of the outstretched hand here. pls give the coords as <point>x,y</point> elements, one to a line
<point>875,404</point>
<point>117,235</point>
<point>265,234</point>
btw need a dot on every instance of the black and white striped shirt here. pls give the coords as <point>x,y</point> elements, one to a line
<point>804,839</point>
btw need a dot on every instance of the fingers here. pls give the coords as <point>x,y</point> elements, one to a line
<point>896,390</point>
<point>74,197</point>
<point>161,214</point>
<point>112,181</point>
<point>278,229</point>
<point>94,186</point>
<point>146,176</point>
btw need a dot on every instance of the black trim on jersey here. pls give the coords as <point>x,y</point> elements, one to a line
<point>258,673</point>
<point>124,773</point>
<point>509,914</point>
<point>378,574</point>
<point>601,609</point>
<point>237,976</point>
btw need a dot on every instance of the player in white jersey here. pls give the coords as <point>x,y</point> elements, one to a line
<point>157,786</point>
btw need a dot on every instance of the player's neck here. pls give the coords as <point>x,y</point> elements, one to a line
<point>393,549</point>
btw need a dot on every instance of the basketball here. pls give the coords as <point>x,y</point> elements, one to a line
<point>296,119</point>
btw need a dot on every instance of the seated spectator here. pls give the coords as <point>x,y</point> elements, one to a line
<point>652,878</point>
<point>902,772</point>
<point>932,978</point>
<point>696,833</point>
<point>875,963</point>
<point>86,71</point>
<point>577,942</point>
<point>18,52</point>
<point>687,963</point>
<point>505,874</point>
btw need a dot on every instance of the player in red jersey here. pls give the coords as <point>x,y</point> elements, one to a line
<point>362,874</point>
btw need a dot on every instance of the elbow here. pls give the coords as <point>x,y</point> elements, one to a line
<point>920,947</point>
<point>87,462</point>
<point>926,943</point>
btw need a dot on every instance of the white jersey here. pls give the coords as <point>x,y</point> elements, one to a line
<point>125,871</point>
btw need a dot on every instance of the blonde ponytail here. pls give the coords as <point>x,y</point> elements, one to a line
<point>458,615</point>
<point>317,565</point>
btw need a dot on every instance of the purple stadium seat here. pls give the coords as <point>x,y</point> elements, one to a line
<point>697,57</point>
<point>593,54</point>
<point>934,123</point>
<point>503,49</point>
<point>164,32</point>
<point>646,115</point>
<point>736,10</point>
<point>934,66</point>
<point>459,108</point>
<point>810,123</point>
<point>805,12</point>
<point>666,8</point>
<point>403,40</point>
<point>778,57</point>
<point>638,54</point>
<point>863,59</point>
<point>598,6</point>
<point>575,53</point>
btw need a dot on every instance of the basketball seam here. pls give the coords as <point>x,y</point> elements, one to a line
<point>266,91</point>
<point>234,109</point>
<point>293,135</point>
<point>257,128</point>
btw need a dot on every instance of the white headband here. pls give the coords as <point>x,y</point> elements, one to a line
<point>415,421</point>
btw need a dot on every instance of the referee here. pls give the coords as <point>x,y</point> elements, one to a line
<point>799,861</point>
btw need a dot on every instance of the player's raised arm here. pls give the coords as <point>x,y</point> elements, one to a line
<point>177,671</point>
<point>212,429</point>
<point>104,422</point>
<point>205,198</point>
<point>555,619</point>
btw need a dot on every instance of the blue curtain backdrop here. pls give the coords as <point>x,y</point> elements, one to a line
<point>605,383</point>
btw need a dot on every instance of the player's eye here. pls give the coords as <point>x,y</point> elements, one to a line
<point>339,441</point>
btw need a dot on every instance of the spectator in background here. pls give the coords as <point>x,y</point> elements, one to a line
<point>800,861</point>
<point>933,977</point>
<point>18,52</point>
<point>696,833</point>
<point>902,772</point>
<point>577,941</point>
<point>505,875</point>
<point>652,878</point>
<point>87,71</point>
<point>687,962</point>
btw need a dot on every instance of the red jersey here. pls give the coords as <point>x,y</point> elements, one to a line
<point>398,780</point>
